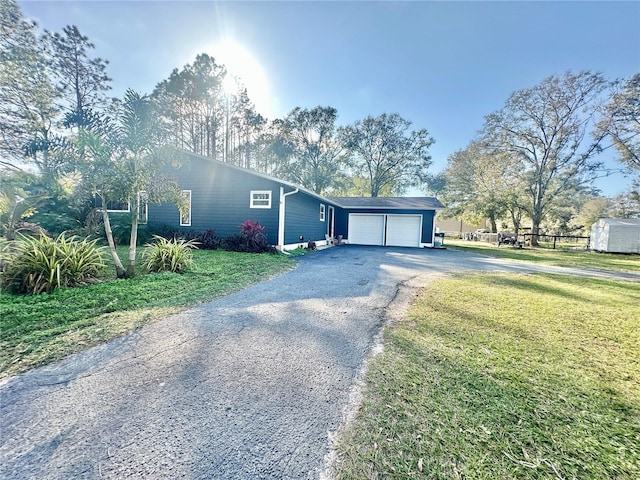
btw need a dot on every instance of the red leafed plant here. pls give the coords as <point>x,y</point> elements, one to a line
<point>250,228</point>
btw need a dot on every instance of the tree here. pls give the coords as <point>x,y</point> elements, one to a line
<point>309,142</point>
<point>436,183</point>
<point>82,81</point>
<point>248,126</point>
<point>192,104</point>
<point>20,196</point>
<point>590,211</point>
<point>621,121</point>
<point>388,152</point>
<point>98,157</point>
<point>544,128</point>
<point>27,96</point>
<point>478,185</point>
<point>125,161</point>
<point>626,205</point>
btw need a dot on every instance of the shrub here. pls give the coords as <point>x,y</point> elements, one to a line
<point>55,223</point>
<point>251,239</point>
<point>121,229</point>
<point>168,255</point>
<point>169,231</point>
<point>42,264</point>
<point>250,228</point>
<point>235,243</point>
<point>208,240</point>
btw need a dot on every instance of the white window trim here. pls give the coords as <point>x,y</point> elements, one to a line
<point>186,224</point>
<point>322,212</point>
<point>260,192</point>
<point>142,194</point>
<point>120,211</point>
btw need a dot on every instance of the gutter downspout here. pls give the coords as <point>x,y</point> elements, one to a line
<point>281,213</point>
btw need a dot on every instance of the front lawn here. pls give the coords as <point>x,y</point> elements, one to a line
<point>560,257</point>
<point>43,328</point>
<point>504,376</point>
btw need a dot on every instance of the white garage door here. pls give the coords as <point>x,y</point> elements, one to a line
<point>366,229</point>
<point>404,230</point>
<point>390,230</point>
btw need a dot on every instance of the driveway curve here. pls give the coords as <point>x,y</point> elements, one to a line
<point>249,386</point>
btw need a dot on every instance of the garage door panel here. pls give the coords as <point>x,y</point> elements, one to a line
<point>404,230</point>
<point>366,229</point>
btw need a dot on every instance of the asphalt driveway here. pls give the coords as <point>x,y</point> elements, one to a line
<point>249,386</point>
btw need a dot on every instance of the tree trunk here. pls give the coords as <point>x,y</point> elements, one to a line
<point>120,272</point>
<point>494,227</point>
<point>535,231</point>
<point>131,264</point>
<point>515,219</point>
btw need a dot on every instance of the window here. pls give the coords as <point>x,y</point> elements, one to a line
<point>260,199</point>
<point>322,212</point>
<point>143,209</point>
<point>114,206</point>
<point>185,214</point>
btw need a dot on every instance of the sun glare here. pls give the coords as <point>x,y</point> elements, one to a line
<point>243,65</point>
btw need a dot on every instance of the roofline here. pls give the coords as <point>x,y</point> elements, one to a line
<point>392,208</point>
<point>299,187</point>
<point>265,176</point>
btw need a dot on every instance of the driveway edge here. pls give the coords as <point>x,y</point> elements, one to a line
<point>395,311</point>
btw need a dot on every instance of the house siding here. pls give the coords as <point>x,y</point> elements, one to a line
<point>220,199</point>
<point>342,219</point>
<point>303,219</point>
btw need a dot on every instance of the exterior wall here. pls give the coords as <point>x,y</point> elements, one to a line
<point>220,199</point>
<point>619,236</point>
<point>624,239</point>
<point>302,218</point>
<point>342,220</point>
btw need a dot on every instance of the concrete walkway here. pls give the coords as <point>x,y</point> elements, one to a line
<point>249,386</point>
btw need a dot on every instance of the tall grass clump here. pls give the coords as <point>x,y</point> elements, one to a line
<point>41,264</point>
<point>168,255</point>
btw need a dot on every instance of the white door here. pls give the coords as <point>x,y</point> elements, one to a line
<point>366,229</point>
<point>404,230</point>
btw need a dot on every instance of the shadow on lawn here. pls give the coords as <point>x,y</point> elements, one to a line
<point>586,430</point>
<point>628,290</point>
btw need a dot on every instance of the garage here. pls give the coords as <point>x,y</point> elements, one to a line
<point>404,230</point>
<point>393,230</point>
<point>387,221</point>
<point>366,229</point>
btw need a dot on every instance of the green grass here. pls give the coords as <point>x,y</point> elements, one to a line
<point>43,328</point>
<point>504,376</point>
<point>560,257</point>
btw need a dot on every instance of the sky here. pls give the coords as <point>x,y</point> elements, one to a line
<point>442,65</point>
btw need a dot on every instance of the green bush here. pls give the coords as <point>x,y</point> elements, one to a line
<point>42,264</point>
<point>55,223</point>
<point>121,229</point>
<point>168,255</point>
<point>207,240</point>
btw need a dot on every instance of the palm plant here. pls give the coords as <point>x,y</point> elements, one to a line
<point>127,158</point>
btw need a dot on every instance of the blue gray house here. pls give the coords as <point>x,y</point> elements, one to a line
<point>221,196</point>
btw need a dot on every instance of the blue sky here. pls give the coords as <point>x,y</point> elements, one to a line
<point>442,65</point>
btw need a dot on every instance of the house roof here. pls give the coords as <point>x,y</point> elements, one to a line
<point>626,222</point>
<point>259,174</point>
<point>416,203</point>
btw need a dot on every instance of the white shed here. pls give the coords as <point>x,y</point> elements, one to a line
<point>616,235</point>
